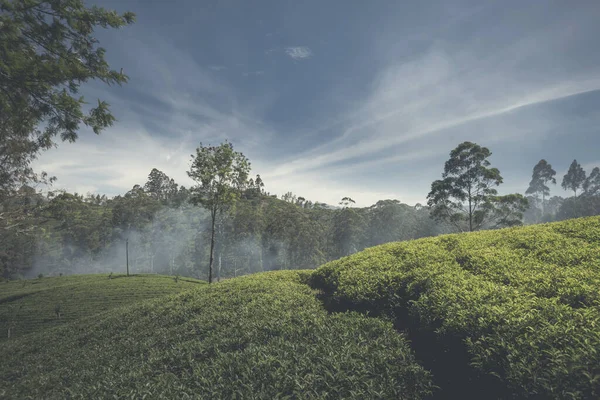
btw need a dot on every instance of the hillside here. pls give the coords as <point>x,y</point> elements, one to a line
<point>511,313</point>
<point>31,305</point>
<point>259,337</point>
<point>493,314</point>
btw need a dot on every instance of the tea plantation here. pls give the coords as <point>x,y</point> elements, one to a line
<point>31,305</point>
<point>259,337</point>
<point>511,313</point>
<point>494,314</point>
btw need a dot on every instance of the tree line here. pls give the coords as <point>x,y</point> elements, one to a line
<point>228,225</point>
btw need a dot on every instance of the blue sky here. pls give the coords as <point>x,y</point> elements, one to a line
<point>344,98</point>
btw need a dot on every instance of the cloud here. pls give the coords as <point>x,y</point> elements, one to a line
<point>416,100</point>
<point>432,94</point>
<point>299,52</point>
<point>169,107</point>
<point>253,73</point>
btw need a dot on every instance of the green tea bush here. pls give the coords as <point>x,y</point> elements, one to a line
<point>519,307</point>
<point>264,336</point>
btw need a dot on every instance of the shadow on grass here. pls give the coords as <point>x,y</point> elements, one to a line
<point>447,359</point>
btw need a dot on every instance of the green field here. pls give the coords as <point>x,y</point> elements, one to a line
<point>511,313</point>
<point>30,305</point>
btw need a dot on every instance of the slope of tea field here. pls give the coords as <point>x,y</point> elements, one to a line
<point>31,305</point>
<point>494,314</point>
<point>260,337</point>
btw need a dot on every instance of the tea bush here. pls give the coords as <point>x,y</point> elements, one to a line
<point>264,336</point>
<point>519,307</point>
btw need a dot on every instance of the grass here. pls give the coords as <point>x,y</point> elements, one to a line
<point>259,337</point>
<point>33,305</point>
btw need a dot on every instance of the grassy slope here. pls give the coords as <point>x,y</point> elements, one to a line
<point>30,304</point>
<point>507,312</point>
<point>264,336</point>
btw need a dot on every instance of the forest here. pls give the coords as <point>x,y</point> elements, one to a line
<point>58,232</point>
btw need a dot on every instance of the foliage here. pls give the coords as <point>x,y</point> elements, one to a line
<point>161,187</point>
<point>574,178</point>
<point>259,337</point>
<point>542,174</point>
<point>591,185</point>
<point>48,50</point>
<point>516,309</point>
<point>465,197</point>
<point>581,206</point>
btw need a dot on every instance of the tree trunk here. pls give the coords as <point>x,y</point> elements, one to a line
<point>470,216</point>
<point>543,205</point>
<point>219,269</point>
<point>212,246</point>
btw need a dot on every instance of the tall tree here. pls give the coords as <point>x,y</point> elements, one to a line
<point>574,178</point>
<point>542,174</point>
<point>466,195</point>
<point>47,51</point>
<point>591,186</point>
<point>161,187</point>
<point>221,174</point>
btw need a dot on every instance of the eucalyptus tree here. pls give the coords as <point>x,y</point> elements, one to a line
<point>541,176</point>
<point>466,197</point>
<point>574,178</point>
<point>591,186</point>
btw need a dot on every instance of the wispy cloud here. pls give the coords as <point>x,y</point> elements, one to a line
<point>254,73</point>
<point>299,52</point>
<point>217,67</point>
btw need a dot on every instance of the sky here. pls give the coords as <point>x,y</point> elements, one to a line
<point>339,98</point>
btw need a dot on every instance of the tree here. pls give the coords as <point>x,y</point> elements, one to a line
<point>48,50</point>
<point>591,186</point>
<point>221,174</point>
<point>161,187</point>
<point>347,229</point>
<point>575,177</point>
<point>346,201</point>
<point>542,174</point>
<point>466,195</point>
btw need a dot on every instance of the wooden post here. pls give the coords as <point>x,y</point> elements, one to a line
<point>127,254</point>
